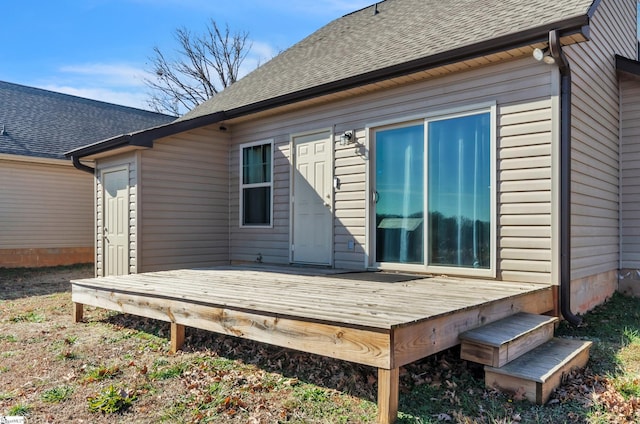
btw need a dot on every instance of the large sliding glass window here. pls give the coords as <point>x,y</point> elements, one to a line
<point>400,194</point>
<point>433,193</point>
<point>459,191</point>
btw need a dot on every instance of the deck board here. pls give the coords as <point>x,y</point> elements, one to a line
<point>317,297</point>
<point>380,324</point>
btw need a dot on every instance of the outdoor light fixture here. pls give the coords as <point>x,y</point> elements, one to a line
<point>544,56</point>
<point>346,138</point>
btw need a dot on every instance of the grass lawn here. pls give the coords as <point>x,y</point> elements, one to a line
<point>116,368</point>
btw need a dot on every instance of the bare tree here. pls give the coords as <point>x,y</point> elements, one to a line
<point>206,64</point>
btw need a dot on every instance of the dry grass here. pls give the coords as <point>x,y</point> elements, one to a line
<point>119,367</point>
<point>116,368</point>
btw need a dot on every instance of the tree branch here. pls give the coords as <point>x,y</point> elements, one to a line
<point>205,65</point>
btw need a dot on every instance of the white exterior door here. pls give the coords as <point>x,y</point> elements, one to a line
<point>312,199</point>
<point>116,222</point>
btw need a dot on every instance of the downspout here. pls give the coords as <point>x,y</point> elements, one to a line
<point>565,178</point>
<point>81,166</point>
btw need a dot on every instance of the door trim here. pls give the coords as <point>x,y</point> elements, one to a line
<point>292,149</point>
<point>100,229</point>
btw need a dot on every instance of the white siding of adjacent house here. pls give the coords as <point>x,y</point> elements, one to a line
<point>595,118</point>
<point>130,161</point>
<point>44,205</point>
<point>522,90</point>
<point>184,214</point>
<point>630,161</point>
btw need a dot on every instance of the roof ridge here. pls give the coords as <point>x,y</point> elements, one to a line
<point>364,8</point>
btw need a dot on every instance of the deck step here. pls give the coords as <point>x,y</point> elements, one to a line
<point>536,374</point>
<point>500,342</point>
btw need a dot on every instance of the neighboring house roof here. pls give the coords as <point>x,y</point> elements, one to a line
<point>46,124</point>
<point>389,39</point>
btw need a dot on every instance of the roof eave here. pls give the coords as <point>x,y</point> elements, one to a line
<point>34,159</point>
<point>145,138</point>
<point>575,25</point>
<point>101,146</point>
<point>629,67</point>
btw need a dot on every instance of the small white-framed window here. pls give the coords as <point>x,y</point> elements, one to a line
<point>256,184</point>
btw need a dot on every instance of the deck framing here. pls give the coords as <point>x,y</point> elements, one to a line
<point>384,325</point>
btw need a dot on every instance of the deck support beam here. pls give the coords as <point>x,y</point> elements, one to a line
<point>556,301</point>
<point>177,337</point>
<point>388,388</point>
<point>78,312</point>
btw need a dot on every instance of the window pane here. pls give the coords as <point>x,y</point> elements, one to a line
<point>460,192</point>
<point>257,206</point>
<point>400,194</point>
<point>256,164</point>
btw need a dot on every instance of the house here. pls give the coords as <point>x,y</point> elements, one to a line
<point>490,145</point>
<point>46,211</point>
<point>495,142</point>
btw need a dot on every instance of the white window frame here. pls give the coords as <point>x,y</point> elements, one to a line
<point>243,186</point>
<point>426,118</point>
<point>451,270</point>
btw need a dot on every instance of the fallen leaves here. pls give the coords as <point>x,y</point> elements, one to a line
<point>520,394</point>
<point>625,410</point>
<point>230,380</point>
<point>231,404</point>
<point>599,393</point>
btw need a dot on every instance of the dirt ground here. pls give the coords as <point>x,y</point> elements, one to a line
<point>51,368</point>
<point>115,368</point>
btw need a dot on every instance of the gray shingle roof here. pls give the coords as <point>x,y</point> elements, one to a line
<point>42,123</point>
<point>403,31</point>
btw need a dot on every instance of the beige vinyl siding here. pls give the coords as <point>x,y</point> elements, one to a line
<point>44,205</point>
<point>522,91</point>
<point>184,201</point>
<point>630,160</point>
<point>350,217</point>
<point>595,137</point>
<point>131,162</point>
<point>525,191</point>
<point>270,245</point>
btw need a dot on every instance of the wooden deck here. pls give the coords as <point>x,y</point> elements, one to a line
<point>378,323</point>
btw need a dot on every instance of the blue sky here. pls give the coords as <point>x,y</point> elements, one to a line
<point>100,48</point>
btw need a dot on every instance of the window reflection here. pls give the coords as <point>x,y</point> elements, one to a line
<point>458,195</point>
<point>256,184</point>
<point>459,191</point>
<point>400,195</point>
